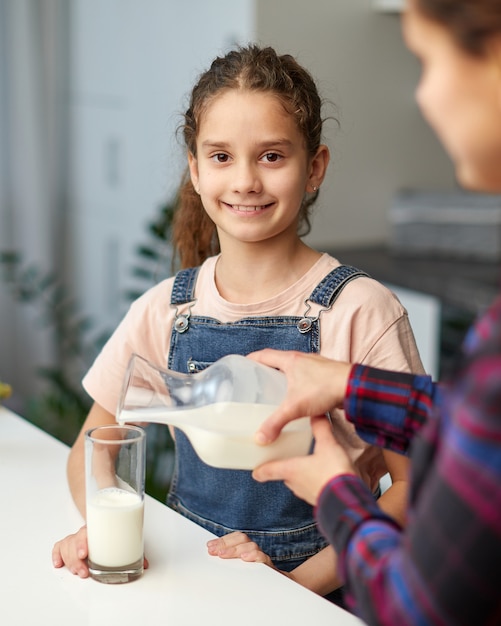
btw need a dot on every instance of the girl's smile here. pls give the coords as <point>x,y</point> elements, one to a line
<point>249,209</point>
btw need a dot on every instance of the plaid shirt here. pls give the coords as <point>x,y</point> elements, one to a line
<point>445,566</point>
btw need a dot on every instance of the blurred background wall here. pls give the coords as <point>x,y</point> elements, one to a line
<point>91,93</point>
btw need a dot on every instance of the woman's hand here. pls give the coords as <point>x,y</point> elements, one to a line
<point>306,476</point>
<point>238,546</point>
<point>72,551</point>
<point>315,385</point>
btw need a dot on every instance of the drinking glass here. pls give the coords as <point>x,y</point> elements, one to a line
<point>114,475</point>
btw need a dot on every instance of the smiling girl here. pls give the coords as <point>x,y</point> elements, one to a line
<point>255,164</point>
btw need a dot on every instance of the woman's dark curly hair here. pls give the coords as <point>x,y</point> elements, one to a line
<point>472,23</point>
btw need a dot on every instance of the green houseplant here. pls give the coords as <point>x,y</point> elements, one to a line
<point>63,405</point>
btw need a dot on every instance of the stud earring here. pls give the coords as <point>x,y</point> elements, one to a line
<point>315,188</point>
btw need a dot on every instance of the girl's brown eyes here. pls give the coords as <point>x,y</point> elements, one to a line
<point>220,157</point>
<point>272,157</point>
<point>269,157</point>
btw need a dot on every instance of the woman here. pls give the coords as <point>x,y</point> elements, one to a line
<point>443,568</point>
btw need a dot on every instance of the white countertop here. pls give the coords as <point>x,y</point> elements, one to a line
<point>183,585</point>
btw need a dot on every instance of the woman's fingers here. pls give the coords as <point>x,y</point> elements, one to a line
<point>307,475</point>
<point>315,385</point>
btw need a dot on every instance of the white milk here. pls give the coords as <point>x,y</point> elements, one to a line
<point>115,527</point>
<point>223,433</point>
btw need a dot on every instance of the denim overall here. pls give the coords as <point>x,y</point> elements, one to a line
<point>223,500</point>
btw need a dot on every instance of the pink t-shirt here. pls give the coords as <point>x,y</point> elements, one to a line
<point>367,324</point>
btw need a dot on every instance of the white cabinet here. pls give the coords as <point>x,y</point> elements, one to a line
<point>424,315</point>
<point>391,6</point>
<point>133,63</point>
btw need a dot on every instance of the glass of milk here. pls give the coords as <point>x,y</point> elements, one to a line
<point>114,474</point>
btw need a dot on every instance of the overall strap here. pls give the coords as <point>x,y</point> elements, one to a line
<point>184,286</point>
<point>326,292</point>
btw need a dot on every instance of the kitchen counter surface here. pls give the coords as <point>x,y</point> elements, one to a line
<point>183,584</point>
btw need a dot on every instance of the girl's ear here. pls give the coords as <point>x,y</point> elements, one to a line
<point>193,166</point>
<point>318,168</point>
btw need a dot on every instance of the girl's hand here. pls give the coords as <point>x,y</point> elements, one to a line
<point>72,551</point>
<point>306,476</point>
<point>315,385</point>
<point>238,546</point>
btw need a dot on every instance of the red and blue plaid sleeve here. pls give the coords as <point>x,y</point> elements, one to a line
<point>388,408</point>
<point>443,568</point>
